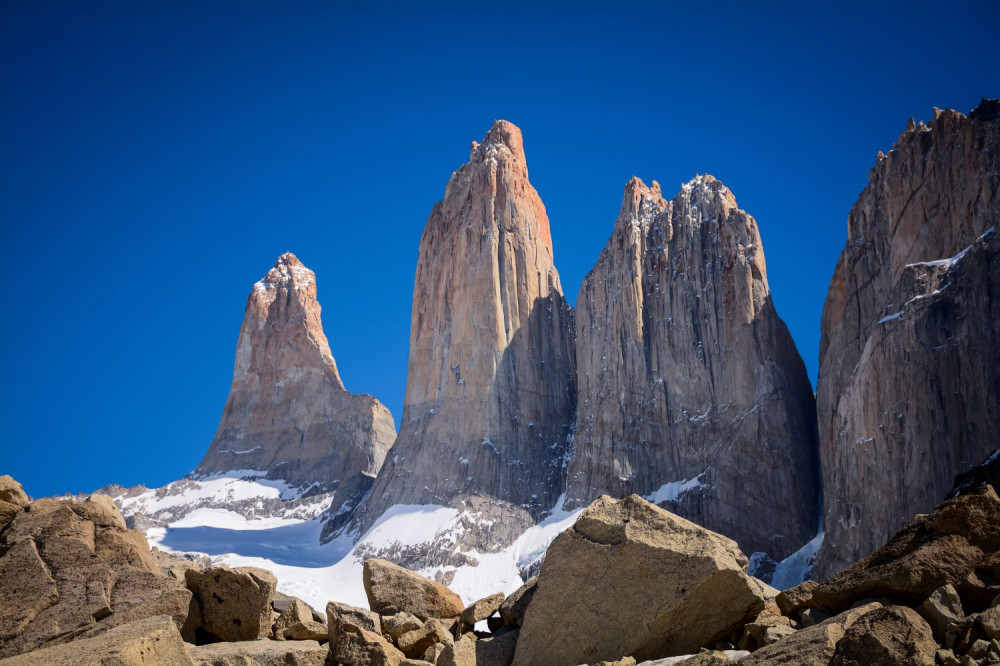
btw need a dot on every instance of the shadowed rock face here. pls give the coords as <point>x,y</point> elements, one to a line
<point>490,390</point>
<point>686,373</point>
<point>288,413</point>
<point>909,381</point>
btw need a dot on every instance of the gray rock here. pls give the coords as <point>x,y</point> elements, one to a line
<point>632,579</point>
<point>912,305</point>
<point>685,371</point>
<point>942,608</point>
<point>481,609</point>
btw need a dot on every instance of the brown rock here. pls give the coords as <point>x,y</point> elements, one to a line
<point>358,647</point>
<point>307,630</point>
<point>153,640</point>
<point>678,341</point>
<point>392,589</point>
<point>400,623</point>
<point>70,569</point>
<point>889,636</point>
<point>11,491</point>
<point>293,612</point>
<point>490,389</point>
<point>632,579</point>
<point>415,643</point>
<point>911,306</point>
<point>498,650</point>
<point>766,629</point>
<point>989,622</point>
<point>460,653</point>
<point>482,609</point>
<point>433,653</point>
<point>513,607</point>
<point>7,512</point>
<point>288,412</point>
<point>338,614</point>
<point>934,550</point>
<point>260,653</point>
<point>235,603</point>
<point>814,646</point>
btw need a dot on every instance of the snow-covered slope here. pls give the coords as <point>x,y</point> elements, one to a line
<point>242,519</point>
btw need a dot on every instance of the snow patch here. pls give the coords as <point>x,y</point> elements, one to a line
<point>796,567</point>
<point>669,492</point>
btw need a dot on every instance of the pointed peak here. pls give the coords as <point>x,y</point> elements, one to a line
<point>288,271</point>
<point>503,136</point>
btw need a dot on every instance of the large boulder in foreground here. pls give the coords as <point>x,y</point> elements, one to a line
<point>957,545</point>
<point>630,578</point>
<point>71,569</point>
<point>153,640</point>
<point>392,589</point>
<point>235,603</point>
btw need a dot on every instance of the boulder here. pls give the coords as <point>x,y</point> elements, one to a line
<point>338,614</point>
<point>308,630</point>
<point>358,647</point>
<point>7,512</point>
<point>12,492</point>
<point>942,608</point>
<point>400,623</point>
<point>70,569</point>
<point>513,607</point>
<point>293,611</point>
<point>888,636</point>
<point>392,589</point>
<point>814,646</point>
<point>498,650</point>
<point>989,622</point>
<point>433,653</point>
<point>152,640</point>
<point>235,603</point>
<point>629,578</point>
<point>955,545</point>
<point>260,653</point>
<point>415,643</point>
<point>480,610</point>
<point>460,653</point>
<point>767,628</point>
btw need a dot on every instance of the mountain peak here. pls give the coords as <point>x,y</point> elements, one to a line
<point>502,137</point>
<point>288,271</point>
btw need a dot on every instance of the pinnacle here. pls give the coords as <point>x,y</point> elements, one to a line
<point>507,134</point>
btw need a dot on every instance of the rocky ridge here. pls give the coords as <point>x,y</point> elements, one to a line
<point>908,387</point>
<point>691,391</point>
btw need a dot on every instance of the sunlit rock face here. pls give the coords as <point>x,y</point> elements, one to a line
<point>288,414</point>
<point>909,383</point>
<point>490,392</point>
<point>691,391</point>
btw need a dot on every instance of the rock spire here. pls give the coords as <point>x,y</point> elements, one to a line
<point>288,414</point>
<point>691,391</point>
<point>490,390</point>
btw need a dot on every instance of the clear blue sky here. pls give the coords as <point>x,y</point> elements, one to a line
<point>157,157</point>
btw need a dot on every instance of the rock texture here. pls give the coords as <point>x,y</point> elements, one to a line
<point>889,636</point>
<point>288,413</point>
<point>490,391</point>
<point>909,381</point>
<point>813,646</point>
<point>630,579</point>
<point>71,569</point>
<point>146,642</point>
<point>260,653</point>
<point>235,603</point>
<point>391,589</point>
<point>957,545</point>
<point>687,374</point>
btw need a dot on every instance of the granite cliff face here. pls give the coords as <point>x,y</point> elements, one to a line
<point>288,414</point>
<point>691,390</point>
<point>909,383</point>
<point>490,392</point>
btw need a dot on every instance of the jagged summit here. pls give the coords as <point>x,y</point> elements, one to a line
<point>288,414</point>
<point>503,137</point>
<point>691,391</point>
<point>288,270</point>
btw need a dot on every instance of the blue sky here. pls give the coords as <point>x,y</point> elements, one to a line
<point>157,157</point>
